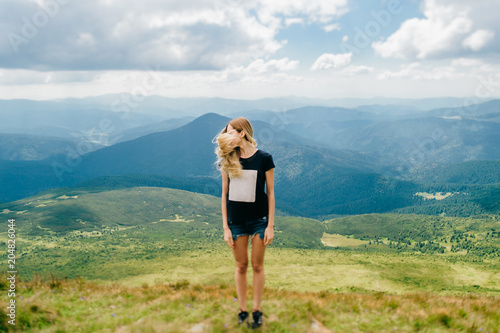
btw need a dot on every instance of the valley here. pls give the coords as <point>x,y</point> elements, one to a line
<point>359,245</point>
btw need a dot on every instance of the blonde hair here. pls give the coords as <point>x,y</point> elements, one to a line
<point>229,154</point>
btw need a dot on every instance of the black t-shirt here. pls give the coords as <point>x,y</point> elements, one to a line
<point>246,198</point>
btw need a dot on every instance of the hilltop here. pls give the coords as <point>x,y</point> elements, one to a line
<point>185,307</point>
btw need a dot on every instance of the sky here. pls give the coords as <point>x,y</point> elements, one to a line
<point>250,49</point>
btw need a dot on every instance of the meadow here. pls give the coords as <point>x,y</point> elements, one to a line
<point>81,306</point>
<point>166,268</point>
<point>99,283</point>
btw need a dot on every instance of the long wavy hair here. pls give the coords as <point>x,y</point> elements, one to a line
<point>228,154</point>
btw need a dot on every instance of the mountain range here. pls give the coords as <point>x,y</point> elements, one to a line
<point>329,160</point>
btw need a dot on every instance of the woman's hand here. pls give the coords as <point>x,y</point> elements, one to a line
<point>228,238</point>
<point>268,235</point>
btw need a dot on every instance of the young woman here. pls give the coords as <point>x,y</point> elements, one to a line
<point>247,211</point>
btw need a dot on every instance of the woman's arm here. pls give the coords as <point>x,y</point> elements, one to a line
<point>225,188</point>
<point>270,195</point>
<point>228,235</point>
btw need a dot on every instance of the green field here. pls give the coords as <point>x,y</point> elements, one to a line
<point>130,251</point>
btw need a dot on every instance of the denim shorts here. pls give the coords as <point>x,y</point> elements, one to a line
<point>252,227</point>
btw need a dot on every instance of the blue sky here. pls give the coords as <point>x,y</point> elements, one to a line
<point>250,49</point>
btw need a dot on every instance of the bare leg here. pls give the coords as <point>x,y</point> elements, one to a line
<point>240,252</point>
<point>258,250</point>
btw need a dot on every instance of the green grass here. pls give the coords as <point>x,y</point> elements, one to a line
<point>479,236</point>
<point>82,306</point>
<point>286,268</point>
<point>125,258</point>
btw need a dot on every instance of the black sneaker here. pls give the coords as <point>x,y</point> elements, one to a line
<point>242,317</point>
<point>257,319</point>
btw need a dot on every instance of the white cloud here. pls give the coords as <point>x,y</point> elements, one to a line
<point>447,29</point>
<point>175,35</point>
<point>331,27</point>
<point>256,70</point>
<point>322,11</point>
<point>460,69</point>
<point>295,20</point>
<point>260,66</point>
<point>331,61</point>
<point>466,62</point>
<point>22,77</point>
<point>478,39</point>
<point>358,70</point>
<point>416,71</point>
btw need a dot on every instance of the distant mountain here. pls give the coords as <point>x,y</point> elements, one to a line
<point>291,102</point>
<point>68,121</point>
<point>468,111</point>
<point>310,180</point>
<point>16,147</point>
<point>424,104</point>
<point>331,160</point>
<point>184,151</point>
<point>492,117</point>
<point>19,179</point>
<point>167,107</point>
<point>188,152</point>
<point>391,112</point>
<point>161,126</point>
<point>401,140</point>
<point>471,172</point>
<point>109,119</point>
<point>317,123</point>
<point>412,144</point>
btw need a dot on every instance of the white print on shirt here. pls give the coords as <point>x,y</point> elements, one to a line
<point>243,188</point>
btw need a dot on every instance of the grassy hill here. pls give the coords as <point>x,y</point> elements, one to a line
<point>164,212</point>
<point>64,210</point>
<point>132,259</point>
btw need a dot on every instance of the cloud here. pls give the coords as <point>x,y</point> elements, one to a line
<point>358,70</point>
<point>331,61</point>
<point>416,71</point>
<point>460,69</point>
<point>449,28</point>
<point>322,11</point>
<point>331,27</point>
<point>295,20</point>
<point>258,70</point>
<point>260,66</point>
<point>23,77</point>
<point>478,39</point>
<point>466,62</point>
<point>135,35</point>
<point>174,35</point>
